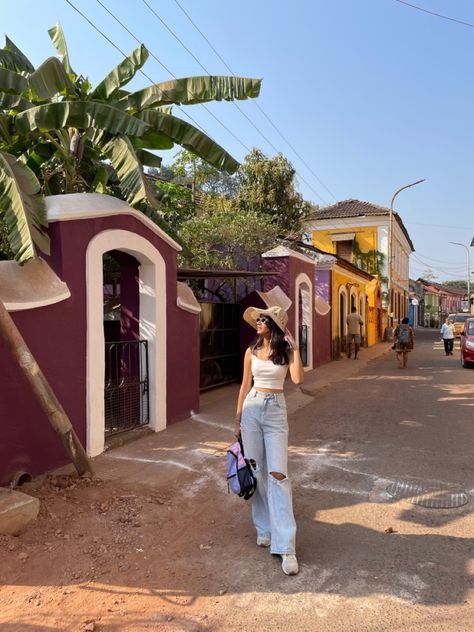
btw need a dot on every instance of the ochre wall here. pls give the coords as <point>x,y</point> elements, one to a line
<point>365,236</point>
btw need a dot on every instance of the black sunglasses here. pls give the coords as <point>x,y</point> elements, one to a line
<point>262,319</point>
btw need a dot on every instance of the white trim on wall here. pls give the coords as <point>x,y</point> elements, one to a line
<point>152,327</point>
<point>307,308</point>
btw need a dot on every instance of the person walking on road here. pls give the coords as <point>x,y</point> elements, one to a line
<point>403,339</point>
<point>447,336</point>
<point>354,328</point>
<point>261,419</point>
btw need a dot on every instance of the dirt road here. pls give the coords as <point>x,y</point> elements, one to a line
<point>157,543</point>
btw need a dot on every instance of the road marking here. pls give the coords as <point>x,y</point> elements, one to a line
<point>139,459</point>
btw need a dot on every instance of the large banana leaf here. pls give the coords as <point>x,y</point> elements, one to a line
<point>190,138</point>
<point>133,182</point>
<point>50,79</point>
<point>192,90</point>
<point>152,139</point>
<point>79,114</point>
<point>23,208</point>
<point>148,159</point>
<point>23,64</point>
<point>57,36</point>
<point>14,102</point>
<point>11,81</point>
<point>121,74</point>
<point>5,128</point>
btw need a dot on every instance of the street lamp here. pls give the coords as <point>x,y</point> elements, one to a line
<point>457,243</point>
<point>389,249</point>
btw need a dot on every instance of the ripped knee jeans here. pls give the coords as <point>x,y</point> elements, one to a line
<point>264,428</point>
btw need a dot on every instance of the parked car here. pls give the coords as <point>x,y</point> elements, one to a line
<point>467,343</point>
<point>459,320</point>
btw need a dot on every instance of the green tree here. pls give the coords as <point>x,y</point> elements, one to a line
<point>267,187</point>
<point>459,285</point>
<point>189,168</point>
<point>177,204</point>
<point>59,134</point>
<point>223,236</point>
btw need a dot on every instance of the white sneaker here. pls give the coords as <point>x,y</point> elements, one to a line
<point>289,564</point>
<point>263,540</point>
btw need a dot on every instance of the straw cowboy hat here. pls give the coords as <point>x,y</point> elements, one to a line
<point>277,314</point>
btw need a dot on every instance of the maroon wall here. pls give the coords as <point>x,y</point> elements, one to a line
<point>286,269</point>
<point>56,336</point>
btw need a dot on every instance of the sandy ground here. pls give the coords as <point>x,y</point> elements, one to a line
<point>155,542</point>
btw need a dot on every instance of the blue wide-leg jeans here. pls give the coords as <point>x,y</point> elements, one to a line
<point>264,428</point>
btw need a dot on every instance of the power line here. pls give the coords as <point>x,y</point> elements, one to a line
<point>125,55</point>
<point>257,105</point>
<point>267,140</point>
<point>170,30</point>
<point>441,226</point>
<point>437,15</point>
<point>171,73</point>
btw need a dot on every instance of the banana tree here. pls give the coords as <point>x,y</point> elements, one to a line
<point>59,134</point>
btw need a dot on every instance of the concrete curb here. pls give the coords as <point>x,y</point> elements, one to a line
<point>16,511</point>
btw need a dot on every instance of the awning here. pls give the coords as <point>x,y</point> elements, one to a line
<point>30,286</point>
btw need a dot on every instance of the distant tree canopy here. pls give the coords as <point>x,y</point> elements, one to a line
<point>225,220</point>
<point>460,285</point>
<point>267,186</point>
<point>428,275</point>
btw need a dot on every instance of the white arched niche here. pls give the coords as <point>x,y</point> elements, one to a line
<point>152,327</point>
<point>304,288</point>
<point>342,312</point>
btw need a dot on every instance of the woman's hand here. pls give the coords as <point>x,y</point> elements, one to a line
<point>290,339</point>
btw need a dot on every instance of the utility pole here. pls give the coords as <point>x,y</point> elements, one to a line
<point>457,243</point>
<point>389,251</point>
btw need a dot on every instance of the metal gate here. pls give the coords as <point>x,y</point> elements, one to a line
<point>304,344</point>
<point>220,344</point>
<point>126,386</point>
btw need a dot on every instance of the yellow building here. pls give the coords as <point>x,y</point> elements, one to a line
<point>352,287</point>
<point>358,232</point>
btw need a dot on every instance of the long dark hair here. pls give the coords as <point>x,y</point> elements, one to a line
<point>279,347</point>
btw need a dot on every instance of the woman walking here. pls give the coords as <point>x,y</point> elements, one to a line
<point>262,420</point>
<point>403,339</point>
<point>447,336</point>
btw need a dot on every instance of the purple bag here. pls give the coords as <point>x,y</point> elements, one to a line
<point>240,477</point>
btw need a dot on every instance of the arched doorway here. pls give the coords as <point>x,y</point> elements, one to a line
<point>304,318</point>
<point>126,354</point>
<point>150,326</point>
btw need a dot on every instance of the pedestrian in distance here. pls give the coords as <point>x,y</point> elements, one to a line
<point>447,336</point>
<point>261,420</point>
<point>354,328</point>
<point>403,342</point>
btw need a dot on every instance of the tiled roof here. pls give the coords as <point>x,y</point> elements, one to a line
<point>355,208</point>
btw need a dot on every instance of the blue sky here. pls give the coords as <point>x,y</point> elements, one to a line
<point>372,94</point>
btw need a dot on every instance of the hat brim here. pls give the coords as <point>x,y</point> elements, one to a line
<point>252,313</point>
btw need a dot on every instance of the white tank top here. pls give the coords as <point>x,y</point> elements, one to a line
<point>268,375</point>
